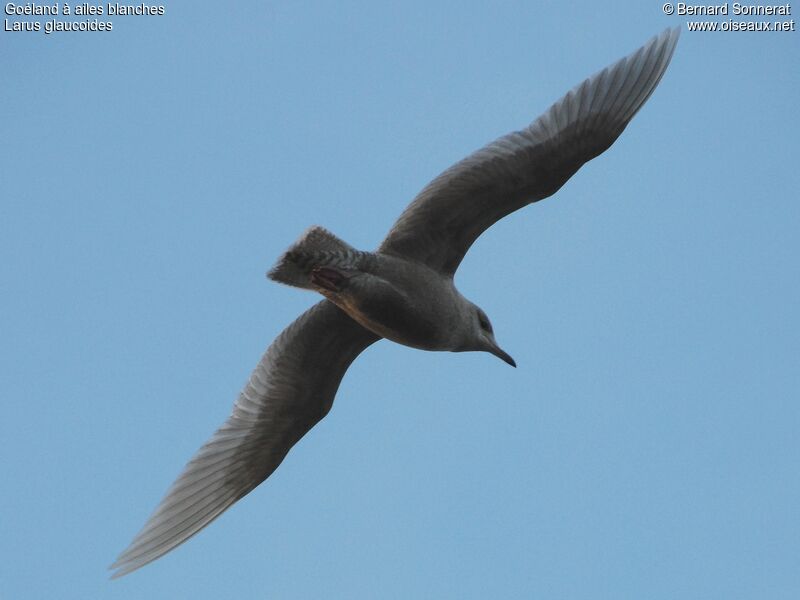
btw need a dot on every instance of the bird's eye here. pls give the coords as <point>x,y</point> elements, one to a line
<point>484,322</point>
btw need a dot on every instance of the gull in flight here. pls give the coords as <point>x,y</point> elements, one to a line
<point>403,291</point>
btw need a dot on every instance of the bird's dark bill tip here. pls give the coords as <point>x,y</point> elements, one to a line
<point>503,355</point>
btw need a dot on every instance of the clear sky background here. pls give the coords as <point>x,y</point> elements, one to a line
<point>646,447</point>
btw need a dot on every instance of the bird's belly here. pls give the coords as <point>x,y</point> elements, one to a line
<point>396,320</point>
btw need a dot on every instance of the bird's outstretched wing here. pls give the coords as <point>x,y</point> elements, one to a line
<point>291,389</point>
<point>443,221</point>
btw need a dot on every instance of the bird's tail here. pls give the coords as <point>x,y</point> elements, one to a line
<point>317,247</point>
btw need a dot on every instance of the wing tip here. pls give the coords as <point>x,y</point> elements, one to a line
<point>131,559</point>
<point>123,566</point>
<point>620,90</point>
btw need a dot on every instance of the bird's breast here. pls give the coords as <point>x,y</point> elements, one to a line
<point>403,306</point>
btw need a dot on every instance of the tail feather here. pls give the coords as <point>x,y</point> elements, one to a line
<point>317,247</point>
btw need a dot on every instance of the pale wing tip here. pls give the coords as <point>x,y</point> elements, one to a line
<point>661,47</point>
<point>142,552</point>
<point>669,38</point>
<point>608,100</point>
<point>121,566</point>
<point>636,76</point>
<point>659,50</point>
<point>120,570</point>
<point>132,559</point>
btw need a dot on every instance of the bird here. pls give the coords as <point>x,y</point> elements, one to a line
<point>403,292</point>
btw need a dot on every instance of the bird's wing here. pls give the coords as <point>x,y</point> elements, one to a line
<point>443,221</point>
<point>291,389</point>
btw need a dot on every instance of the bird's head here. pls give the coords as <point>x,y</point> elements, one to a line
<point>483,336</point>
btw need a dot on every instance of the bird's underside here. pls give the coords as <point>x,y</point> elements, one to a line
<point>295,382</point>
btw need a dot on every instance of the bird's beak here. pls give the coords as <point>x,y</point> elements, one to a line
<point>500,353</point>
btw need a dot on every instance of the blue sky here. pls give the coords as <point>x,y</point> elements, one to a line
<point>647,445</point>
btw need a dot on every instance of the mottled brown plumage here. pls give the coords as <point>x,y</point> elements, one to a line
<point>404,291</point>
